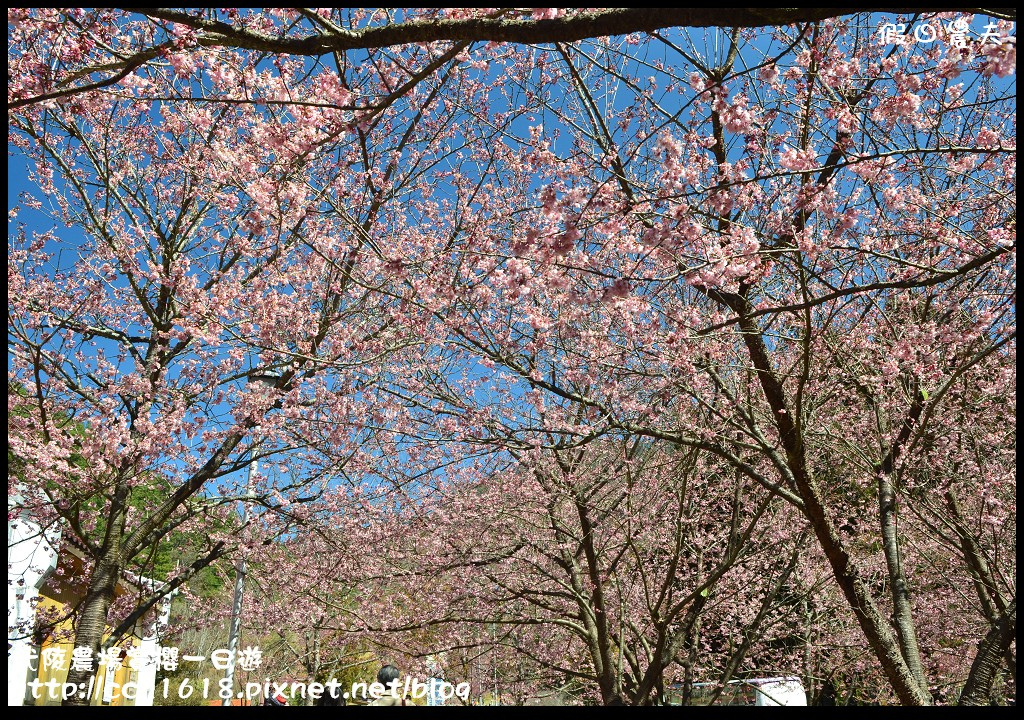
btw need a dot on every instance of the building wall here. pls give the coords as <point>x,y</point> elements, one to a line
<point>31,558</point>
<point>35,590</point>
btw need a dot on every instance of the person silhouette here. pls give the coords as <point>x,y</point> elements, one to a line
<point>388,677</point>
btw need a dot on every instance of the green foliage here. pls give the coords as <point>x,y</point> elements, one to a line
<point>160,558</point>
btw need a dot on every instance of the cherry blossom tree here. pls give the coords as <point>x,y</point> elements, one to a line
<point>790,259</point>
<point>604,564</point>
<point>391,245</point>
<point>209,281</point>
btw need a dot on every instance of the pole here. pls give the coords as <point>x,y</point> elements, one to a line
<point>267,377</point>
<point>494,661</point>
<point>236,603</point>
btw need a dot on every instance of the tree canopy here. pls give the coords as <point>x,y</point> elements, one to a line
<point>625,348</point>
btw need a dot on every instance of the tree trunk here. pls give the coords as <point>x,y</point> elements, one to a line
<point>873,624</point>
<point>901,608</point>
<point>604,664</point>
<point>990,656</point>
<point>92,624</point>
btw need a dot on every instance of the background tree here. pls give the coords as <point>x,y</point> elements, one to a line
<point>789,248</point>
<point>795,278</point>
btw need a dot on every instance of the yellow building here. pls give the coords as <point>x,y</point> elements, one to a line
<point>39,592</point>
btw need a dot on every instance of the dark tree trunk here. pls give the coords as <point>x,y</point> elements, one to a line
<point>989,658</point>
<point>875,627</point>
<point>92,623</point>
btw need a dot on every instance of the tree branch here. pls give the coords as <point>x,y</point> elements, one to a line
<point>616,21</point>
